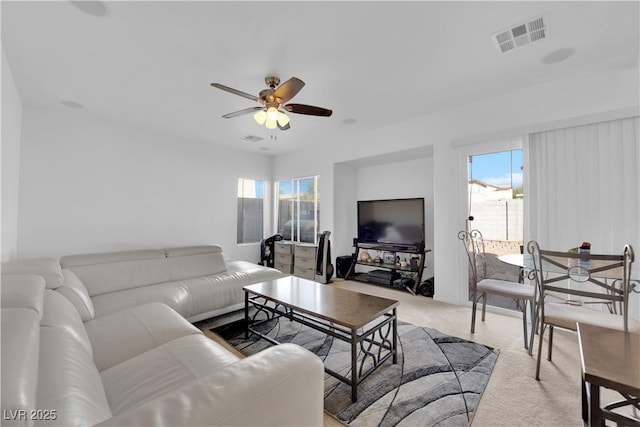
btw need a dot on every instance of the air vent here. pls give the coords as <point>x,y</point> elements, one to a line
<point>252,138</point>
<point>520,35</point>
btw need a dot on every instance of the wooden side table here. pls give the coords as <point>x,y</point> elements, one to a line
<point>610,359</point>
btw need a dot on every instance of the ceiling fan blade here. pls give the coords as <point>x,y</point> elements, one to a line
<point>242,112</point>
<point>309,110</point>
<point>235,91</point>
<point>288,89</point>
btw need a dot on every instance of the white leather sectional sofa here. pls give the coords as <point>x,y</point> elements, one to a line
<point>81,346</point>
<point>196,281</point>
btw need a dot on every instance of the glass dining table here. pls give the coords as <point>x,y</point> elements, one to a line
<point>525,261</point>
<point>613,276</point>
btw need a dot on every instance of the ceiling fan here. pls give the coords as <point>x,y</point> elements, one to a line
<point>271,112</point>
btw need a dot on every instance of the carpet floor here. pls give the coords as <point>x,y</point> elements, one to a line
<point>438,379</point>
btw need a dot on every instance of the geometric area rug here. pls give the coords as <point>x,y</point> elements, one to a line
<point>438,380</point>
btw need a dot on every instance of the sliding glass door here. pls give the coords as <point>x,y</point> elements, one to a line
<point>495,196</point>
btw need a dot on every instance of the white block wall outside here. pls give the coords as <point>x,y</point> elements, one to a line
<point>499,219</point>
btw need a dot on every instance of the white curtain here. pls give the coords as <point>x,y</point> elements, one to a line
<point>584,185</point>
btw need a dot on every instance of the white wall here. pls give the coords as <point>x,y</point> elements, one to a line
<point>345,190</point>
<point>91,186</point>
<point>11,127</point>
<point>400,180</point>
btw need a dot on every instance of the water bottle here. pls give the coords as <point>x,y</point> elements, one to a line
<point>585,248</point>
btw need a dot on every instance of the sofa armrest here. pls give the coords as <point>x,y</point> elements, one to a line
<point>48,268</point>
<point>280,386</point>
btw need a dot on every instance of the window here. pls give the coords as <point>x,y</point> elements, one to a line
<point>298,209</point>
<point>250,210</point>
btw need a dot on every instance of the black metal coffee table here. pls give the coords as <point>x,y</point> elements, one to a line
<point>362,320</point>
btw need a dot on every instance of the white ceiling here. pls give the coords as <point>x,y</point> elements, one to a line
<point>149,64</point>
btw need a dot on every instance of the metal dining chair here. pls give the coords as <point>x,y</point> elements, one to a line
<point>582,287</point>
<point>481,286</point>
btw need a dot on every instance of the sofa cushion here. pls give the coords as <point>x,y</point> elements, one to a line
<point>122,335</point>
<point>170,366</point>
<point>228,287</point>
<point>110,257</point>
<point>165,293</point>
<point>194,298</point>
<point>68,381</point>
<point>20,349</point>
<point>192,250</point>
<point>48,268</point>
<point>75,291</point>
<point>115,271</point>
<point>195,261</point>
<point>60,313</point>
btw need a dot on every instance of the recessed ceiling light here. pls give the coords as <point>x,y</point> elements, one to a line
<point>91,7</point>
<point>349,121</point>
<point>558,55</point>
<point>71,104</point>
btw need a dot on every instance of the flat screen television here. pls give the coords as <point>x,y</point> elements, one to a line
<point>396,222</point>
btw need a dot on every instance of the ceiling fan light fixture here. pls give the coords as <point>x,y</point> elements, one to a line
<point>271,118</point>
<point>272,113</point>
<point>260,117</point>
<point>283,119</point>
<point>271,124</point>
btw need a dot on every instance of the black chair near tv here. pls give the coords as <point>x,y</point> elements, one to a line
<point>267,250</point>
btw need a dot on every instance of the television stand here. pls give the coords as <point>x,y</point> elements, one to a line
<point>388,272</point>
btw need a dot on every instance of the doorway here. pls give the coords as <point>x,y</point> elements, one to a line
<point>495,195</point>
